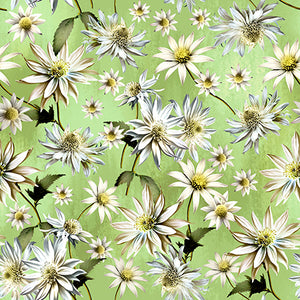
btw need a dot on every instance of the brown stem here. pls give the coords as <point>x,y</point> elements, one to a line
<point>58,117</point>
<point>33,207</point>
<point>122,156</point>
<point>73,296</point>
<point>69,247</point>
<point>271,287</point>
<point>92,4</point>
<point>115,6</point>
<point>116,294</point>
<point>296,79</point>
<point>88,291</point>
<point>84,211</point>
<point>290,5</point>
<point>4,9</point>
<point>132,169</point>
<point>188,214</point>
<point>78,6</point>
<point>137,111</point>
<point>252,3</point>
<point>234,287</point>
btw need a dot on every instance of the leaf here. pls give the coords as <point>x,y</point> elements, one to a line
<point>48,180</point>
<point>124,177</point>
<point>81,280</point>
<point>128,140</point>
<point>121,124</point>
<point>154,188</point>
<point>89,264</point>
<point>45,116</point>
<point>241,287</point>
<point>84,17</point>
<point>25,237</point>
<point>199,233</point>
<point>257,286</point>
<point>62,33</point>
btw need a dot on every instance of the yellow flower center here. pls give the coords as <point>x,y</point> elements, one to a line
<point>288,63</point>
<point>71,141</point>
<point>251,117</point>
<point>127,275</point>
<point>238,78</point>
<point>200,18</point>
<point>266,237</point>
<point>49,273</point>
<point>224,266</point>
<point>221,211</point>
<point>121,35</point>
<point>72,226</point>
<point>13,273</point>
<point>144,223</point>
<point>100,249</point>
<point>245,182</point>
<point>139,12</point>
<point>158,131</point>
<point>170,280</point>
<point>102,198</point>
<point>92,108</point>
<point>111,82</point>
<point>164,22</point>
<point>252,33</point>
<point>133,89</point>
<point>193,128</point>
<point>59,68</point>
<point>11,114</point>
<point>19,216</point>
<point>62,195</point>
<point>221,158</point>
<point>207,83</point>
<point>111,136</point>
<point>25,23</point>
<point>182,55</point>
<point>199,181</point>
<point>292,170</point>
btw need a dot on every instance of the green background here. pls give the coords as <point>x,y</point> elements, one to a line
<point>219,241</point>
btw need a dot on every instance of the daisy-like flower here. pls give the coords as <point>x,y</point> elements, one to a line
<point>12,270</point>
<point>221,157</point>
<point>32,3</point>
<point>18,216</point>
<point>138,91</point>
<point>197,182</point>
<point>286,65</point>
<point>286,177</point>
<point>115,39</point>
<point>70,229</point>
<point>154,133</point>
<point>189,4</point>
<point>110,82</point>
<point>100,249</point>
<point>102,198</point>
<point>73,148</point>
<point>164,22</point>
<point>200,18</point>
<point>194,124</point>
<point>207,83</point>
<point>246,27</point>
<point>175,276</point>
<point>244,182</point>
<point>296,268</point>
<point>296,111</point>
<point>12,114</point>
<point>220,211</point>
<point>57,75</point>
<point>62,195</point>
<point>92,108</point>
<point>126,275</point>
<point>53,274</point>
<point>257,120</point>
<point>150,225</point>
<point>182,56</point>
<point>222,267</point>
<point>139,11</point>
<point>238,78</point>
<point>112,136</point>
<point>4,64</point>
<point>11,173</point>
<point>264,243</point>
<point>25,24</point>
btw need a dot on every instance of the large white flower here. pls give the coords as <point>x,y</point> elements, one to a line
<point>296,268</point>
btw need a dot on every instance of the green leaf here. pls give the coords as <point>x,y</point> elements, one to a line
<point>124,177</point>
<point>45,116</point>
<point>244,286</point>
<point>154,188</point>
<point>62,33</point>
<point>199,233</point>
<point>257,286</point>
<point>89,264</point>
<point>25,236</point>
<point>81,280</point>
<point>128,140</point>
<point>84,17</point>
<point>121,124</point>
<point>48,180</point>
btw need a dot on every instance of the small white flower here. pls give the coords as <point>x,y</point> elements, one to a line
<point>62,195</point>
<point>139,11</point>
<point>189,4</point>
<point>207,83</point>
<point>221,158</point>
<point>200,18</point>
<point>92,108</point>
<point>110,82</point>
<point>164,22</point>
<point>100,249</point>
<point>112,136</point>
<point>296,268</point>
<point>244,182</point>
<point>18,216</point>
<point>238,78</point>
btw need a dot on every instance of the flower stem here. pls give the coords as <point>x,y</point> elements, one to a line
<point>88,291</point>
<point>122,156</point>
<point>117,291</point>
<point>84,211</point>
<point>115,6</point>
<point>92,4</point>
<point>4,9</point>
<point>58,117</point>
<point>271,287</point>
<point>73,296</point>
<point>132,169</point>
<point>290,5</point>
<point>69,247</point>
<point>252,3</point>
<point>78,6</point>
<point>297,79</point>
<point>188,214</point>
<point>234,287</point>
<point>137,111</point>
<point>33,207</point>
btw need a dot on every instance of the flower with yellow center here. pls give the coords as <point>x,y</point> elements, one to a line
<point>164,22</point>
<point>244,182</point>
<point>62,195</point>
<point>239,78</point>
<point>110,82</point>
<point>112,136</point>
<point>200,18</point>
<point>92,108</point>
<point>99,249</point>
<point>18,216</point>
<point>221,158</point>
<point>139,11</point>
<point>207,83</point>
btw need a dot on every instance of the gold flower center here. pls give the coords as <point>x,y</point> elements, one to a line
<point>292,170</point>
<point>62,195</point>
<point>182,55</point>
<point>111,82</point>
<point>144,223</point>
<point>224,266</point>
<point>72,226</point>
<point>139,12</point>
<point>92,108</point>
<point>25,23</point>
<point>13,273</point>
<point>164,22</point>
<point>199,181</point>
<point>127,275</point>
<point>288,63</point>
<point>11,114</point>
<point>121,35</point>
<point>71,141</point>
<point>251,117</point>
<point>266,237</point>
<point>59,68</point>
<point>238,78</point>
<point>221,211</point>
<point>193,128</point>
<point>221,158</point>
<point>102,198</point>
<point>170,280</point>
<point>111,136</point>
<point>207,83</point>
<point>49,273</point>
<point>252,33</point>
<point>19,216</point>
<point>245,182</point>
<point>200,18</point>
<point>133,89</point>
<point>158,131</point>
<point>100,249</point>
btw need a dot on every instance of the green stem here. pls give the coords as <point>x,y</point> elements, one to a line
<point>84,211</point>
<point>69,247</point>
<point>78,6</point>
<point>33,207</point>
<point>58,117</point>
<point>115,6</point>
<point>252,3</point>
<point>116,294</point>
<point>290,5</point>
<point>132,169</point>
<point>88,291</point>
<point>122,156</point>
<point>271,287</point>
<point>188,214</point>
<point>234,287</point>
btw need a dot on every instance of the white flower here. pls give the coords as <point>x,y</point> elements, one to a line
<point>286,65</point>
<point>296,111</point>
<point>18,216</point>
<point>32,3</point>
<point>115,39</point>
<point>12,114</point>
<point>164,22</point>
<point>175,277</point>
<point>100,249</point>
<point>296,268</point>
<point>62,195</point>
<point>102,198</point>
<point>73,148</point>
<point>112,136</point>
<point>92,108</point>
<point>246,27</point>
<point>111,82</point>
<point>139,11</point>
<point>200,18</point>
<point>244,182</point>
<point>238,78</point>
<point>221,158</point>
<point>207,83</point>
<point>182,56</point>
<point>189,4</point>
<point>25,24</point>
<point>53,275</point>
